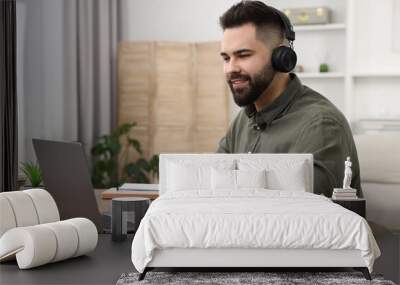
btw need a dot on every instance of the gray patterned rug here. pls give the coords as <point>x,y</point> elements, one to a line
<point>229,278</point>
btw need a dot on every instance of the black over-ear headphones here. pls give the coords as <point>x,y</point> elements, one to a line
<point>284,58</point>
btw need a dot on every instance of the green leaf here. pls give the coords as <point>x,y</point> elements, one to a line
<point>32,172</point>
<point>154,161</point>
<point>135,144</point>
<point>141,178</point>
<point>122,130</point>
<point>130,169</point>
<point>136,172</point>
<point>143,164</point>
<point>115,148</point>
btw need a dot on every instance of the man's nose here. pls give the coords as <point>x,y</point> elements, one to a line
<point>232,67</point>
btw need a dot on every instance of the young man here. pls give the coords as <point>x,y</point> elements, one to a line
<point>279,114</point>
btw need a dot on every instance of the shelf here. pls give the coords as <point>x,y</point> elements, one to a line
<point>325,27</point>
<point>342,75</point>
<point>320,75</point>
<point>375,125</point>
<point>376,74</point>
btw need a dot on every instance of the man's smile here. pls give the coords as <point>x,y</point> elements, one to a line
<point>239,83</point>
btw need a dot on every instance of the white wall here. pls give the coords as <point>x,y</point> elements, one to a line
<point>191,20</point>
<point>375,33</point>
<point>194,20</point>
<point>173,20</point>
<point>197,21</point>
<point>376,29</point>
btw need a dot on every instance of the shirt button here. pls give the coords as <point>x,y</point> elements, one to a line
<point>258,128</point>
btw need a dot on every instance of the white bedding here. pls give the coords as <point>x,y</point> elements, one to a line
<point>252,218</point>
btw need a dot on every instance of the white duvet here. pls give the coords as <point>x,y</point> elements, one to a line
<point>250,219</point>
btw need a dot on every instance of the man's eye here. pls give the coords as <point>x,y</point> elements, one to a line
<point>225,59</point>
<point>245,55</point>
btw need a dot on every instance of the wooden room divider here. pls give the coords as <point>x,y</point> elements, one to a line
<point>176,93</point>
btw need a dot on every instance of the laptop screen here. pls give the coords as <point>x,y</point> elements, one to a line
<point>66,177</point>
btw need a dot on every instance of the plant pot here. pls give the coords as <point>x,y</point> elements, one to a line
<point>323,67</point>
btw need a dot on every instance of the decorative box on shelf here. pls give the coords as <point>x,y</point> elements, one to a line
<point>308,15</point>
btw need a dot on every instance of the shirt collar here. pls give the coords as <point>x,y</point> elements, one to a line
<point>266,115</point>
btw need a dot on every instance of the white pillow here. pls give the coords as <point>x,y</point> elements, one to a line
<point>227,179</point>
<point>183,178</point>
<point>223,179</point>
<point>189,174</point>
<point>291,179</point>
<point>251,178</point>
<point>281,174</point>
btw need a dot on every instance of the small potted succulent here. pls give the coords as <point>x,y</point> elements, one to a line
<point>323,67</point>
<point>33,174</point>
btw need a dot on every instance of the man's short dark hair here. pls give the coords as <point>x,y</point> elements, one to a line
<point>253,12</point>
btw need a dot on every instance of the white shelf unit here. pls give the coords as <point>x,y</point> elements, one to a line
<point>376,74</point>
<point>364,77</point>
<point>316,75</point>
<point>326,27</point>
<point>325,43</point>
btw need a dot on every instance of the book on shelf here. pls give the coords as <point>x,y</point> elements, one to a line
<point>139,187</point>
<point>341,190</point>
<point>344,198</point>
<point>345,194</point>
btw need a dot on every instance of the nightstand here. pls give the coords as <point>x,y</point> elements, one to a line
<point>356,205</point>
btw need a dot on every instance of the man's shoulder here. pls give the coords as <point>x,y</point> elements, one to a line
<point>317,108</point>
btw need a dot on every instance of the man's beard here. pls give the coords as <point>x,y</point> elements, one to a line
<point>256,86</point>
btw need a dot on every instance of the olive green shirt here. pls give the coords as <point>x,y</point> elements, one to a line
<point>300,120</point>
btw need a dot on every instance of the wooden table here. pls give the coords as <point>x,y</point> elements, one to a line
<point>114,193</point>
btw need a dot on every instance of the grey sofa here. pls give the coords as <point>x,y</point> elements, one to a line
<point>379,157</point>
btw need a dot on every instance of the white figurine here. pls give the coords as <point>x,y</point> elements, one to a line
<point>347,174</point>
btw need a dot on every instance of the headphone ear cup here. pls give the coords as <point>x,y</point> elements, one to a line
<point>283,59</point>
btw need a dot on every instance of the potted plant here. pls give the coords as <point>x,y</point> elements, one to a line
<point>140,170</point>
<point>109,155</point>
<point>33,174</point>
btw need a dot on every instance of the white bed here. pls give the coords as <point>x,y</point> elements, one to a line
<point>247,210</point>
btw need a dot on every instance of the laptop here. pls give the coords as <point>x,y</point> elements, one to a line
<point>66,176</point>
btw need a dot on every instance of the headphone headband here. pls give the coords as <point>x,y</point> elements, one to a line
<point>289,32</point>
<point>284,58</point>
